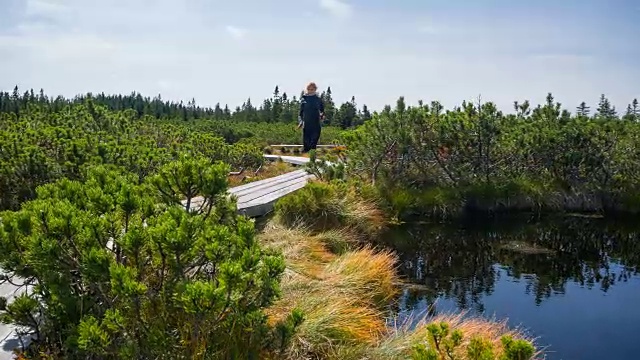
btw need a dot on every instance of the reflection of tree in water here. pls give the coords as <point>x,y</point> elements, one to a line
<point>460,261</point>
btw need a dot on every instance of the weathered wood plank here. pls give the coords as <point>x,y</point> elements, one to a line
<point>295,160</point>
<point>275,184</point>
<point>264,204</point>
<point>258,193</point>
<point>252,186</point>
<point>248,195</point>
<point>296,146</point>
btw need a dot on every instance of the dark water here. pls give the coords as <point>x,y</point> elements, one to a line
<point>573,283</point>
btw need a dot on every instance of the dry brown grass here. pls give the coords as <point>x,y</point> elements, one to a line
<point>333,320</point>
<point>337,293</point>
<point>364,215</point>
<point>342,294</point>
<point>304,253</point>
<point>367,274</point>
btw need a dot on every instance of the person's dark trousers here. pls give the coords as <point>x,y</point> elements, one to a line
<point>310,137</point>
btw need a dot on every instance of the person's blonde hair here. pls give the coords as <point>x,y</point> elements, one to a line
<point>311,84</point>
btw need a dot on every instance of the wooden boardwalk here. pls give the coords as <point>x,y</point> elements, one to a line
<point>254,199</point>
<point>258,198</point>
<point>294,160</point>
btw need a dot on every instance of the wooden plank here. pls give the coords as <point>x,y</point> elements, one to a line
<point>295,160</point>
<point>275,183</point>
<point>255,195</point>
<point>275,194</point>
<point>250,192</point>
<point>253,186</point>
<point>265,204</point>
<point>238,190</point>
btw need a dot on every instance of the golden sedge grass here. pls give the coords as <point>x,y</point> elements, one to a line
<point>342,287</point>
<point>365,273</point>
<point>336,293</point>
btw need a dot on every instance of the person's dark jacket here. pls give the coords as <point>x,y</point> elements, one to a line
<point>311,106</point>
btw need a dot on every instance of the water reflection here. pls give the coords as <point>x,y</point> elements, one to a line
<point>464,262</point>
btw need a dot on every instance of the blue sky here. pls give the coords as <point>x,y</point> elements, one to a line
<point>226,51</point>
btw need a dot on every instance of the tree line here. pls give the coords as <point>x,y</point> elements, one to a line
<point>279,108</point>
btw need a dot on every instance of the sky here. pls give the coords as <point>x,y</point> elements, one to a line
<point>376,50</point>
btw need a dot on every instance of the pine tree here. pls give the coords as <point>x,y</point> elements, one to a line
<point>15,99</point>
<point>42,98</point>
<point>605,110</point>
<point>346,115</point>
<point>633,112</point>
<point>366,115</point>
<point>227,112</point>
<point>276,110</point>
<point>329,107</point>
<point>583,110</point>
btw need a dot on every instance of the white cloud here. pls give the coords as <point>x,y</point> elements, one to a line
<point>74,47</point>
<point>236,32</point>
<point>45,8</point>
<point>164,84</point>
<point>427,29</point>
<point>563,58</point>
<point>337,8</point>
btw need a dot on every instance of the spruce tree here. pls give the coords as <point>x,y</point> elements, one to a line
<point>583,110</point>
<point>605,110</point>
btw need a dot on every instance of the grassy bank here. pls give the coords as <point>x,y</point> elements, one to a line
<point>342,288</point>
<point>507,198</point>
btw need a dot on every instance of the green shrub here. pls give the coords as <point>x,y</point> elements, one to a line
<point>480,349</point>
<point>444,344</point>
<point>120,277</point>
<point>329,169</point>
<point>539,158</point>
<point>517,349</point>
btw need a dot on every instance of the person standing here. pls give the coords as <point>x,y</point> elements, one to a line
<point>310,117</point>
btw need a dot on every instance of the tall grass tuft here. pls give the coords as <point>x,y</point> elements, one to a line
<point>321,206</point>
<point>341,294</point>
<point>365,274</point>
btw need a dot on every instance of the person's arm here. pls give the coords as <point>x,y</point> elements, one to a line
<point>321,108</point>
<point>301,114</point>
